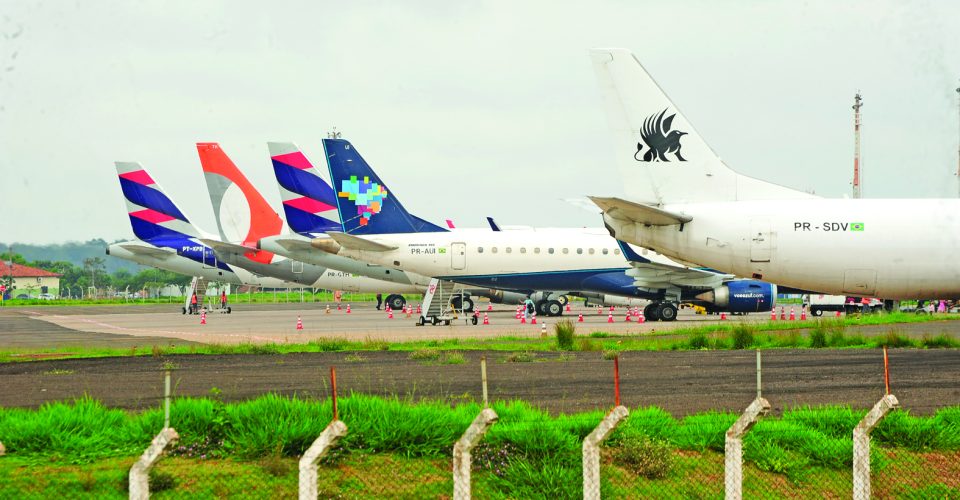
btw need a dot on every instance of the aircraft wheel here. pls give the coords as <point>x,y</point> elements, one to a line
<point>667,311</point>
<point>650,312</point>
<point>229,310</point>
<point>467,304</point>
<point>540,307</point>
<point>564,300</point>
<point>553,308</point>
<point>396,301</point>
<point>184,310</point>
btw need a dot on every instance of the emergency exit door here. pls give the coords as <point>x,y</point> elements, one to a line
<point>458,255</point>
<point>761,240</point>
<point>209,258</point>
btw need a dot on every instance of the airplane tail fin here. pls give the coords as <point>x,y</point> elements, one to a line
<point>153,214</point>
<point>365,204</point>
<point>657,149</point>
<point>242,213</point>
<point>309,203</point>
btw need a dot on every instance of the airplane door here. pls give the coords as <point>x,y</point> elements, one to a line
<point>860,282</point>
<point>761,241</point>
<point>458,255</point>
<point>209,258</point>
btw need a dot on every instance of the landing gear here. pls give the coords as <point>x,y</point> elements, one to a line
<point>660,311</point>
<point>396,301</point>
<point>467,304</point>
<point>549,308</point>
<point>564,300</point>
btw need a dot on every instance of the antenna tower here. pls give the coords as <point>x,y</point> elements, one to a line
<point>857,104</point>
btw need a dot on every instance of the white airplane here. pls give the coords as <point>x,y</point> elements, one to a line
<point>377,229</point>
<point>244,216</point>
<point>684,202</point>
<point>310,208</point>
<point>167,239</point>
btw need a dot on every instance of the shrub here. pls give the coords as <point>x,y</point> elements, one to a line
<point>940,341</point>
<point>565,331</point>
<point>610,354</point>
<point>425,355</point>
<point>893,339</point>
<point>588,345</point>
<point>520,357</point>
<point>646,457</point>
<point>453,358</point>
<point>818,336</point>
<point>698,341</point>
<point>354,358</point>
<point>742,336</point>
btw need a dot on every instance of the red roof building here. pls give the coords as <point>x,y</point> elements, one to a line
<point>29,282</point>
<point>22,271</point>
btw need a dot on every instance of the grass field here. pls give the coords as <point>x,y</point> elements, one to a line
<point>820,333</point>
<point>402,449</point>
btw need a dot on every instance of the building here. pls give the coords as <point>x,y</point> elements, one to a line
<point>29,281</point>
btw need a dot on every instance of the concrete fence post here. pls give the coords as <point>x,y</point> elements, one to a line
<point>308,462</point>
<point>591,451</point>
<point>3,450</point>
<point>140,472</point>
<point>861,445</point>
<point>461,452</point>
<point>733,448</point>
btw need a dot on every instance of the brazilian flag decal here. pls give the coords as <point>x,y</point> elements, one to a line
<point>856,226</point>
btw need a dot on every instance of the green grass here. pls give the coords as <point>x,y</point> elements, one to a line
<point>400,448</point>
<point>760,335</point>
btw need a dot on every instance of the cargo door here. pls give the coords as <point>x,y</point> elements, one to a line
<point>458,255</point>
<point>761,240</point>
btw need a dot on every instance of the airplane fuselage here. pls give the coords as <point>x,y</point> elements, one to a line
<point>892,249</point>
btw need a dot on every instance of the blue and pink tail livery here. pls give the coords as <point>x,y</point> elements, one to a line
<point>309,203</point>
<point>366,205</point>
<point>152,214</point>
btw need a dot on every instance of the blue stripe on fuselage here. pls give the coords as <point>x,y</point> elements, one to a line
<point>612,281</point>
<point>186,247</point>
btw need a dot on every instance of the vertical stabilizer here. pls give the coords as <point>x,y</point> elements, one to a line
<point>243,215</point>
<point>153,215</point>
<point>309,203</point>
<point>365,204</point>
<point>661,156</point>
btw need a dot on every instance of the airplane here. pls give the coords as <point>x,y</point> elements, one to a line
<point>310,208</point>
<point>684,202</point>
<point>167,239</point>
<point>376,228</point>
<point>244,216</point>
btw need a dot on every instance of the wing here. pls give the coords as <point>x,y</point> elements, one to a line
<point>657,275</point>
<point>636,212</point>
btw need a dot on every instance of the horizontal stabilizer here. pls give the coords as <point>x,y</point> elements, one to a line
<point>221,246</point>
<point>294,244</point>
<point>151,251</point>
<point>352,242</point>
<point>636,212</point>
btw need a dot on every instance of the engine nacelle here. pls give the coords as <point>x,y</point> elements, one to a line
<point>503,297</point>
<point>742,296</point>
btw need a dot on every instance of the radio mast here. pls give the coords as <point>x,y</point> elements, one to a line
<point>857,104</point>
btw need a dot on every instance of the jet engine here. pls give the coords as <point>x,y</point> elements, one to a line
<point>741,296</point>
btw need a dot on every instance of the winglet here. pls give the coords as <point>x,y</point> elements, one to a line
<point>493,224</point>
<point>636,212</point>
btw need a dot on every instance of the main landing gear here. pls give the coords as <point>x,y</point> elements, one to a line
<point>660,311</point>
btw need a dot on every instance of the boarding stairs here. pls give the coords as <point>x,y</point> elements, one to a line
<point>197,286</point>
<point>437,303</point>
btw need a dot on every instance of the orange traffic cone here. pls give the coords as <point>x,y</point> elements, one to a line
<point>533,319</point>
<point>339,306</point>
<point>627,318</point>
<point>299,323</point>
<point>518,314</point>
<point>803,314</point>
<point>486,319</point>
<point>793,316</point>
<point>418,308</point>
<point>568,307</point>
<point>388,309</point>
<point>610,318</point>
<point>328,309</point>
<point>580,318</point>
<point>543,329</point>
<point>599,310</point>
<point>390,314</point>
<point>773,314</point>
<point>348,308</point>
<point>203,317</point>
<point>783,315</point>
<point>838,314</point>
<point>723,316</point>
<point>409,311</point>
<point>641,318</point>
<point>489,307</point>
<point>611,308</point>
<point>523,319</point>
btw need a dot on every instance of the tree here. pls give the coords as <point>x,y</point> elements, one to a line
<point>93,266</point>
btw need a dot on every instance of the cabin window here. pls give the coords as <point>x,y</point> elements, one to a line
<point>523,250</point>
<point>536,249</point>
<point>605,251</point>
<point>494,249</point>
<point>591,251</point>
<point>479,249</point>
<point>566,250</point>
<point>616,251</point>
<point>579,251</point>
<point>550,250</point>
<point>509,250</point>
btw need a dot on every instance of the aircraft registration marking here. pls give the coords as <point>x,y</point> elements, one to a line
<point>828,226</point>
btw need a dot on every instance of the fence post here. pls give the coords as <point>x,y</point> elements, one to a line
<point>591,451</point>
<point>308,462</point>
<point>3,450</point>
<point>861,445</point>
<point>733,448</point>
<point>140,472</point>
<point>461,452</point>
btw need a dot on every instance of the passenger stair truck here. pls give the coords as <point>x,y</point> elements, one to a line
<point>199,286</point>
<point>439,303</point>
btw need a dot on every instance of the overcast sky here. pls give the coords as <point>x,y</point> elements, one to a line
<point>466,109</point>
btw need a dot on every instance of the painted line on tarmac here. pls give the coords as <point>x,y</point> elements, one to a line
<point>43,317</point>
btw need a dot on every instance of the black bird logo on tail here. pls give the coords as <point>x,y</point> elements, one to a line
<point>659,139</point>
